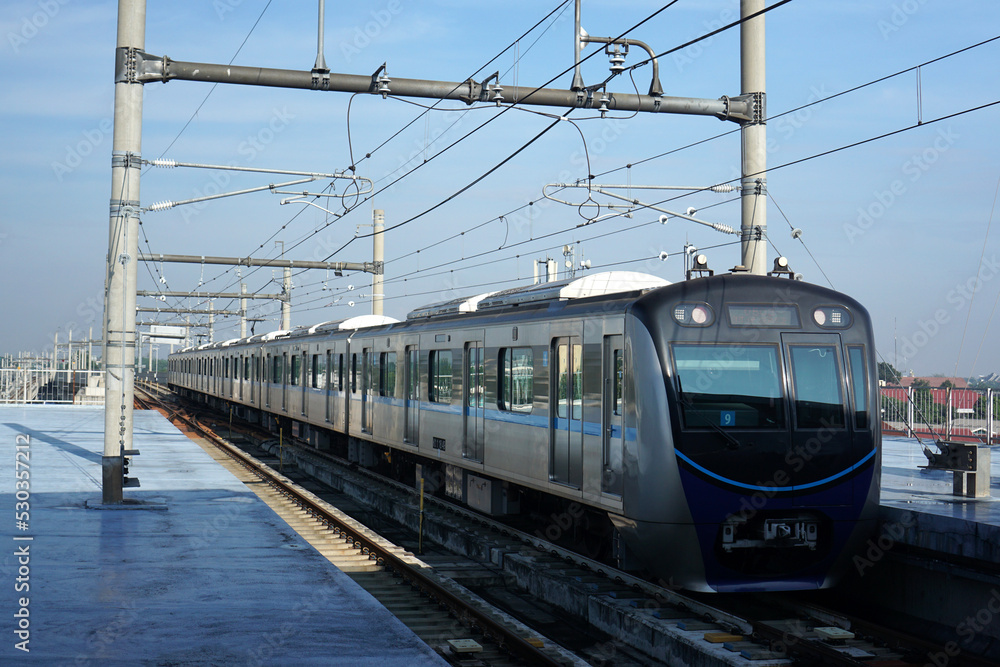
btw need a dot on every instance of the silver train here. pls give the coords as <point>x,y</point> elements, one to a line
<point>718,433</point>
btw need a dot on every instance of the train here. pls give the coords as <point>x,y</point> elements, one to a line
<point>716,434</point>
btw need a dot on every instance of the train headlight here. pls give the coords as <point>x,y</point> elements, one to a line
<point>832,317</point>
<point>694,314</point>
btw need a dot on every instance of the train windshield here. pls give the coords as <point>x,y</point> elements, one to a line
<point>729,386</point>
<point>819,402</point>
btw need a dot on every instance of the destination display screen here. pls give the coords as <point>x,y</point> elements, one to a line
<point>763,315</point>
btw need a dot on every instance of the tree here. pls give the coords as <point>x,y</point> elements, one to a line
<point>887,373</point>
<point>947,384</point>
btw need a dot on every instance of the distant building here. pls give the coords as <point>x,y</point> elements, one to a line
<point>935,382</point>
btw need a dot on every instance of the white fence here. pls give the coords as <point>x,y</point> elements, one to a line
<point>48,386</point>
<point>965,414</point>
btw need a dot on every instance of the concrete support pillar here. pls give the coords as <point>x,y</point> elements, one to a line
<point>123,249</point>
<point>286,304</point>
<point>753,226</point>
<point>243,312</point>
<point>378,256</point>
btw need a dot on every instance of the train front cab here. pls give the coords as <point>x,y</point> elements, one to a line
<point>759,454</point>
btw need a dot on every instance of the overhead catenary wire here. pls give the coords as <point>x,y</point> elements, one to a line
<point>561,5</point>
<point>811,157</point>
<point>505,109</point>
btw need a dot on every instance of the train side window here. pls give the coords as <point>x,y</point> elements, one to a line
<point>319,366</point>
<point>340,372</point>
<point>439,376</point>
<point>516,379</point>
<point>859,384</point>
<point>619,382</point>
<point>296,370</point>
<point>276,370</point>
<point>819,401</point>
<point>354,372</point>
<point>387,374</point>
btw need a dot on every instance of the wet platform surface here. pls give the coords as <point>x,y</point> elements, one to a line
<point>921,509</point>
<point>212,577</point>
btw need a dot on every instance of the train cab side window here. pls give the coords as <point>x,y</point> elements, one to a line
<point>819,401</point>
<point>859,385</point>
<point>439,376</point>
<point>516,380</point>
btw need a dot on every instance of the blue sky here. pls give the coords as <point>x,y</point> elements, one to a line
<point>899,223</point>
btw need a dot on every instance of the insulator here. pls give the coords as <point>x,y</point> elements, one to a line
<point>728,187</point>
<point>383,86</point>
<point>164,163</point>
<point>725,229</point>
<point>161,206</point>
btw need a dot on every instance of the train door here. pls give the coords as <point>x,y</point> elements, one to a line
<point>368,379</point>
<point>566,412</point>
<point>411,397</point>
<point>265,380</point>
<point>818,396</point>
<point>612,410</point>
<point>474,390</point>
<point>283,379</point>
<point>307,379</point>
<point>331,377</point>
<point>344,382</point>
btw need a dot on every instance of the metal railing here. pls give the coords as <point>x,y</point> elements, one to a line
<point>950,414</point>
<point>39,385</point>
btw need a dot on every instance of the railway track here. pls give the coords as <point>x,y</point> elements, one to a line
<point>788,632</point>
<point>463,628</point>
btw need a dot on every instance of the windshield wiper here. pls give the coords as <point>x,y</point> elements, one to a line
<point>733,443</point>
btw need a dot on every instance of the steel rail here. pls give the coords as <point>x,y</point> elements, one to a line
<point>510,641</point>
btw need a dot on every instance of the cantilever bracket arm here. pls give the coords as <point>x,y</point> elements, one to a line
<point>136,66</point>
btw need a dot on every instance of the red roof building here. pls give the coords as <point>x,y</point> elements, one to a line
<point>935,382</point>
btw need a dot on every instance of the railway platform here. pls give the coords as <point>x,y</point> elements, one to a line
<point>936,564</point>
<point>201,572</point>
<point>919,507</point>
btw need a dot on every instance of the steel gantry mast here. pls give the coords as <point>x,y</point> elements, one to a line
<point>135,67</point>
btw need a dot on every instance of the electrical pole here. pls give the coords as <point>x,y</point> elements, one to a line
<point>286,304</point>
<point>753,226</point>
<point>243,311</point>
<point>123,237</point>
<point>378,258</point>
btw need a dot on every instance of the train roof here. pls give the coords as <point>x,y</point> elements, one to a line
<point>591,285</point>
<point>594,284</point>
